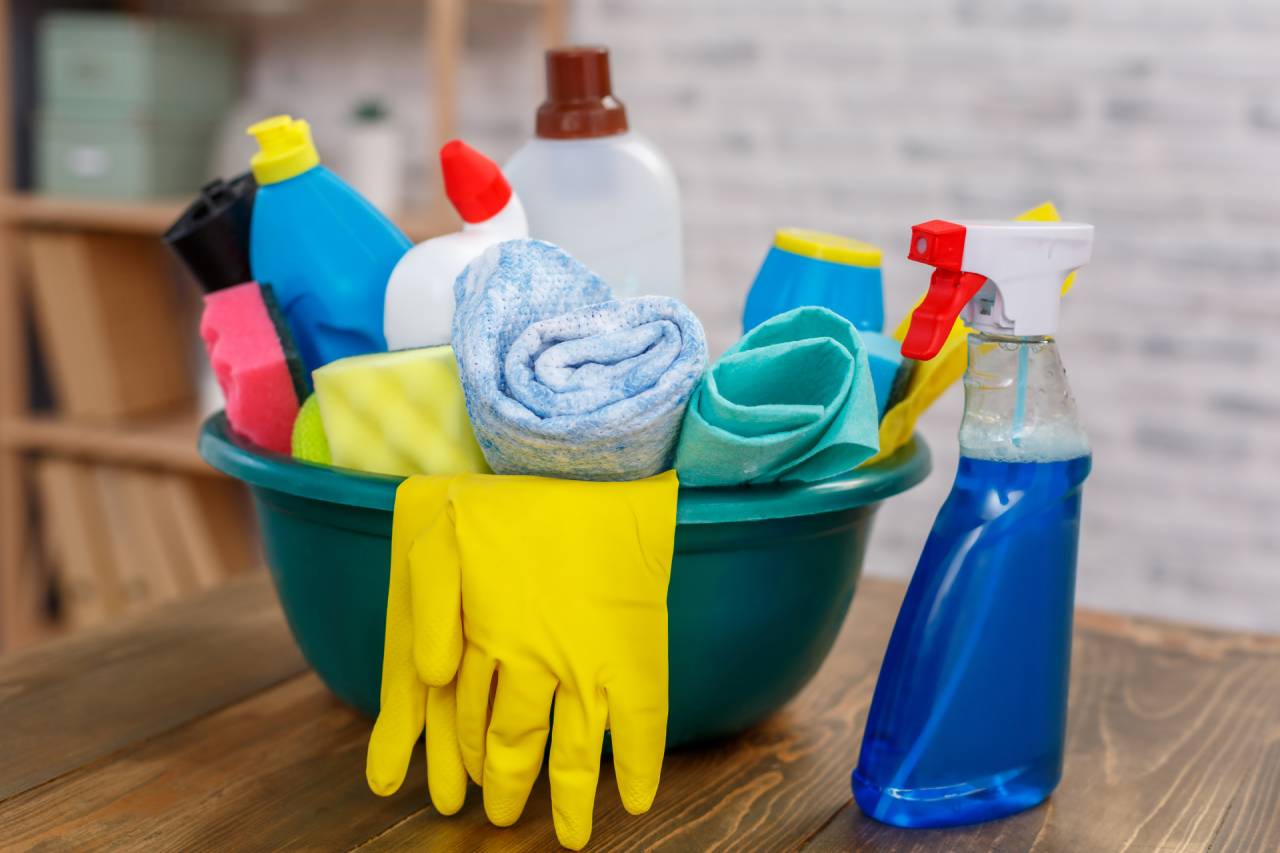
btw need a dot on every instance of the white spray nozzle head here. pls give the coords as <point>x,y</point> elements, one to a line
<point>1003,277</point>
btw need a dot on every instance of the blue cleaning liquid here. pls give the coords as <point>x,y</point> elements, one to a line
<point>969,715</point>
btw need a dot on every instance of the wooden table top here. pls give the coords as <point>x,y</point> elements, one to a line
<point>199,727</point>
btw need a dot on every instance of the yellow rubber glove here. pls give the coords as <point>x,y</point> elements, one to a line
<point>562,590</point>
<point>407,702</point>
<point>931,378</point>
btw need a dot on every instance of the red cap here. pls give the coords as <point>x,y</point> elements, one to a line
<point>939,244</point>
<point>473,182</point>
<point>580,102</point>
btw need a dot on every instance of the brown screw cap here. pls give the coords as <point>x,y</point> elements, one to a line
<point>580,102</point>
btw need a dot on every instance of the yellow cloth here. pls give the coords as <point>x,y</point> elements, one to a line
<point>542,591</point>
<point>408,703</point>
<point>398,413</point>
<point>931,378</point>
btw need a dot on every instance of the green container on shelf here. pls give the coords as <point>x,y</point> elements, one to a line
<point>129,105</point>
<point>760,584</point>
<point>110,65</point>
<point>123,159</point>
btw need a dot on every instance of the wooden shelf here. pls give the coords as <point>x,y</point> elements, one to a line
<point>155,217</point>
<point>166,441</point>
<point>421,225</point>
<point>126,217</point>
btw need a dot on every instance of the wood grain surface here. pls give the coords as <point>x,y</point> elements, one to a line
<point>1174,744</point>
<point>72,701</point>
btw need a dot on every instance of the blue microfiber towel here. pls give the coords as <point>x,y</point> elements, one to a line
<point>792,400</point>
<point>560,379</point>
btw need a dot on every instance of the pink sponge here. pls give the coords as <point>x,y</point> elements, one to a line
<point>250,362</point>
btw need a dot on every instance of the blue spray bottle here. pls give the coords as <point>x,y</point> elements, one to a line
<point>969,715</point>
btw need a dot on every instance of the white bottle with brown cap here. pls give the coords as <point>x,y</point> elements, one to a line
<point>595,188</point>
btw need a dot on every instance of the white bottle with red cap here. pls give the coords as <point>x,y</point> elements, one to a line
<point>594,187</point>
<point>419,303</point>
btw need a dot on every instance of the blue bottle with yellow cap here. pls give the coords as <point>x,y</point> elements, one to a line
<point>324,249</point>
<point>806,267</point>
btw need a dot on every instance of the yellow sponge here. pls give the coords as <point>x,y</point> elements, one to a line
<point>309,442</point>
<point>397,413</point>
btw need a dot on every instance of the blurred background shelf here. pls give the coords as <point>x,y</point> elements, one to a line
<point>153,218</point>
<point>124,217</point>
<point>165,441</point>
<point>105,504</point>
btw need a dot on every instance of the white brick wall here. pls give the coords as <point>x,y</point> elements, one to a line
<point>1157,121</point>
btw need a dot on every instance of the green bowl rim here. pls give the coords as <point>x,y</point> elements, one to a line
<point>260,468</point>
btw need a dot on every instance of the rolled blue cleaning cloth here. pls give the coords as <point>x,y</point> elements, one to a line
<point>560,379</point>
<point>791,401</point>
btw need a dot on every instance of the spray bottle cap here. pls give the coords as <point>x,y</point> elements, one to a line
<point>473,182</point>
<point>285,147</point>
<point>1003,277</point>
<point>580,102</point>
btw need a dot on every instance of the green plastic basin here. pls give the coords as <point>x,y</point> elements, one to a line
<point>760,584</point>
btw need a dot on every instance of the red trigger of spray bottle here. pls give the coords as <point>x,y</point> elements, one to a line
<point>941,245</point>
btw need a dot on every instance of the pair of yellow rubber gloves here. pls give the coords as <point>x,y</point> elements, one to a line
<point>510,595</point>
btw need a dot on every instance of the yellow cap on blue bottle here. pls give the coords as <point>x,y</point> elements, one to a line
<point>822,246</point>
<point>285,149</point>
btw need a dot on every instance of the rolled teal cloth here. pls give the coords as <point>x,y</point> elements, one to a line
<point>560,379</point>
<point>791,401</point>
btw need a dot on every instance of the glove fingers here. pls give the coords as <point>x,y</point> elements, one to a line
<point>475,679</point>
<point>638,725</point>
<point>404,697</point>
<point>397,729</point>
<point>446,777</point>
<point>436,586</point>
<point>577,738</point>
<point>516,741</point>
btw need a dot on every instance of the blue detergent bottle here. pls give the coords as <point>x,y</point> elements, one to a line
<point>969,715</point>
<point>805,267</point>
<point>326,251</point>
